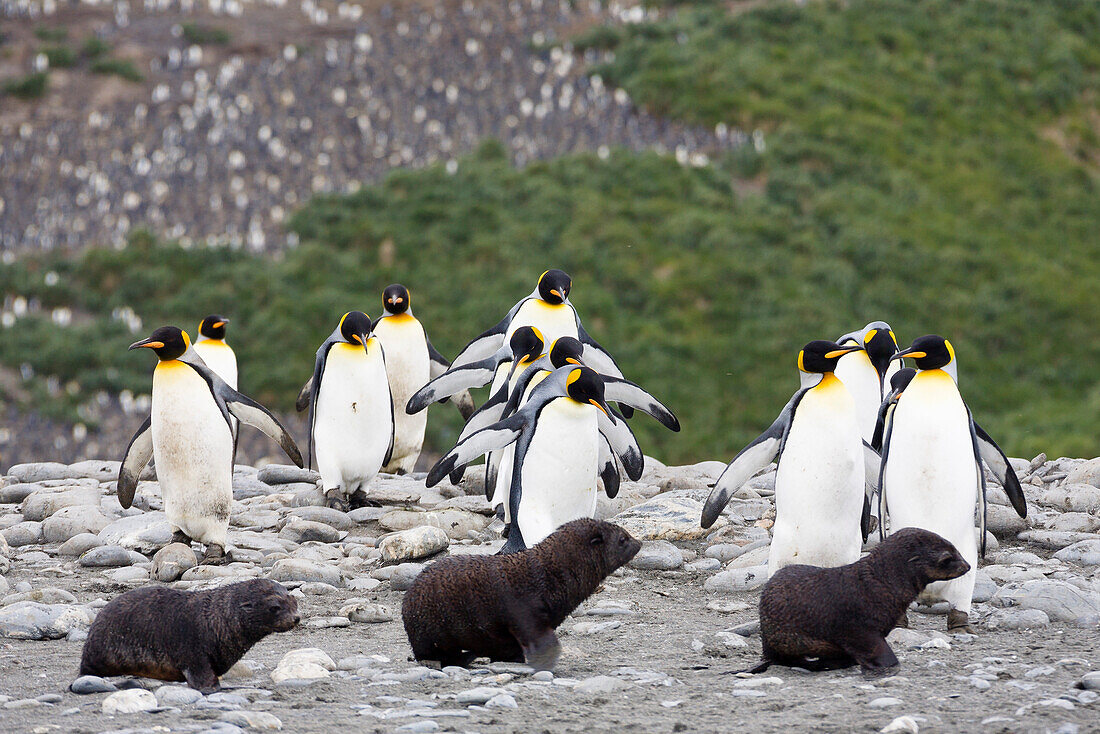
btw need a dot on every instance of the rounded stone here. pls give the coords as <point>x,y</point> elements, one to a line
<point>131,701</point>
<point>419,542</point>
<point>171,561</point>
<point>86,684</point>
<point>106,556</point>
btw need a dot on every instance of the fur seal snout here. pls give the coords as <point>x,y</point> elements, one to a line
<point>192,636</point>
<point>506,607</point>
<point>826,618</point>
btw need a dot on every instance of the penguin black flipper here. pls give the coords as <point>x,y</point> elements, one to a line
<point>1002,469</point>
<point>243,408</point>
<point>629,395</point>
<point>496,436</point>
<point>247,410</point>
<point>137,456</point>
<point>318,370</point>
<point>304,396</point>
<point>763,449</point>
<point>982,502</point>
<point>609,470</point>
<point>488,342</point>
<point>880,423</point>
<point>455,380</point>
<point>437,365</point>
<point>871,470</point>
<point>887,432</point>
<point>623,444</point>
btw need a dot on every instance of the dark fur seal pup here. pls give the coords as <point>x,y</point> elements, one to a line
<point>826,618</point>
<point>506,607</point>
<point>192,636</point>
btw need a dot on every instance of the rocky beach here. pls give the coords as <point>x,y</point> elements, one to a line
<point>652,651</point>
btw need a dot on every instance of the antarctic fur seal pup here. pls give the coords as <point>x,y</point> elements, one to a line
<point>506,607</point>
<point>826,618</point>
<point>192,636</point>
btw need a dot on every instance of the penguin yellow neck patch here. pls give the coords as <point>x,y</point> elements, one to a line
<point>400,318</point>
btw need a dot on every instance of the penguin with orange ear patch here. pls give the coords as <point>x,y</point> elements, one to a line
<point>189,435</point>
<point>822,513</point>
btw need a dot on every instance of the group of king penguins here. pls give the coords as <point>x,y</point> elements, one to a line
<point>862,427</point>
<point>551,433</point>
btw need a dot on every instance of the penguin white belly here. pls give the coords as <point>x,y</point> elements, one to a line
<point>931,476</point>
<point>193,452</point>
<point>559,469</point>
<point>507,459</point>
<point>352,428</point>
<point>554,321</point>
<point>408,369</point>
<point>860,377</point>
<point>819,483</point>
<point>495,459</point>
<point>219,357</point>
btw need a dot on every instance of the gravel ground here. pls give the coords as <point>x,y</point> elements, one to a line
<point>652,651</point>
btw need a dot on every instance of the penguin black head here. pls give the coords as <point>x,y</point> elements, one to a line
<point>566,350</point>
<point>355,327</point>
<point>213,326</point>
<point>585,386</point>
<point>168,342</point>
<point>881,345</point>
<point>527,344</point>
<point>930,352</point>
<point>901,379</point>
<point>396,299</point>
<point>554,286</point>
<point>822,356</point>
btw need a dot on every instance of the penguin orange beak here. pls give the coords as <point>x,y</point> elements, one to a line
<point>914,353</point>
<point>604,408</point>
<point>573,360</point>
<point>842,351</point>
<point>149,343</point>
<point>219,324</point>
<point>558,293</point>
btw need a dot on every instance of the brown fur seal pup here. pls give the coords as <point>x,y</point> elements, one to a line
<point>826,618</point>
<point>192,636</point>
<point>506,607</point>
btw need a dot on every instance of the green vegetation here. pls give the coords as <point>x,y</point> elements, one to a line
<point>933,164</point>
<point>54,35</point>
<point>60,57</point>
<point>94,47</point>
<point>200,34</point>
<point>700,294</point>
<point>119,67</point>
<point>31,86</point>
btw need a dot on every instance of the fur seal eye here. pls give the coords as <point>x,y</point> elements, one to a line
<point>945,560</point>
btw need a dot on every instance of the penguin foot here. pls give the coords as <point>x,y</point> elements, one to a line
<point>959,622</point>
<point>215,556</point>
<point>335,499</point>
<point>359,499</point>
<point>179,536</point>
<point>903,621</point>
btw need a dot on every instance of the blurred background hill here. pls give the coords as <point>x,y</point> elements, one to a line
<point>724,181</point>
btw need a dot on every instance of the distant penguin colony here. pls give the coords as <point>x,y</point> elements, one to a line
<point>864,443</point>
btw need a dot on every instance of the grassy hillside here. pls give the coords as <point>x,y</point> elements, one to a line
<point>931,164</point>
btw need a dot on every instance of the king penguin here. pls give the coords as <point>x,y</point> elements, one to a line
<point>214,350</point>
<point>351,412</point>
<point>556,435</point>
<point>866,371</point>
<point>821,509</point>
<point>931,473</point>
<point>188,434</point>
<point>411,360</point>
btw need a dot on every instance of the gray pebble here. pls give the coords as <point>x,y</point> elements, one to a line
<point>92,684</point>
<point>106,556</point>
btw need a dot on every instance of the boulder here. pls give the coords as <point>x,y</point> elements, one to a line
<point>71,521</point>
<point>145,533</point>
<point>670,516</point>
<point>1061,601</point>
<point>419,542</point>
<point>457,524</point>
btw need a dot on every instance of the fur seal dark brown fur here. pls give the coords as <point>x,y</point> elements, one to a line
<point>826,618</point>
<point>506,607</point>
<point>192,636</point>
